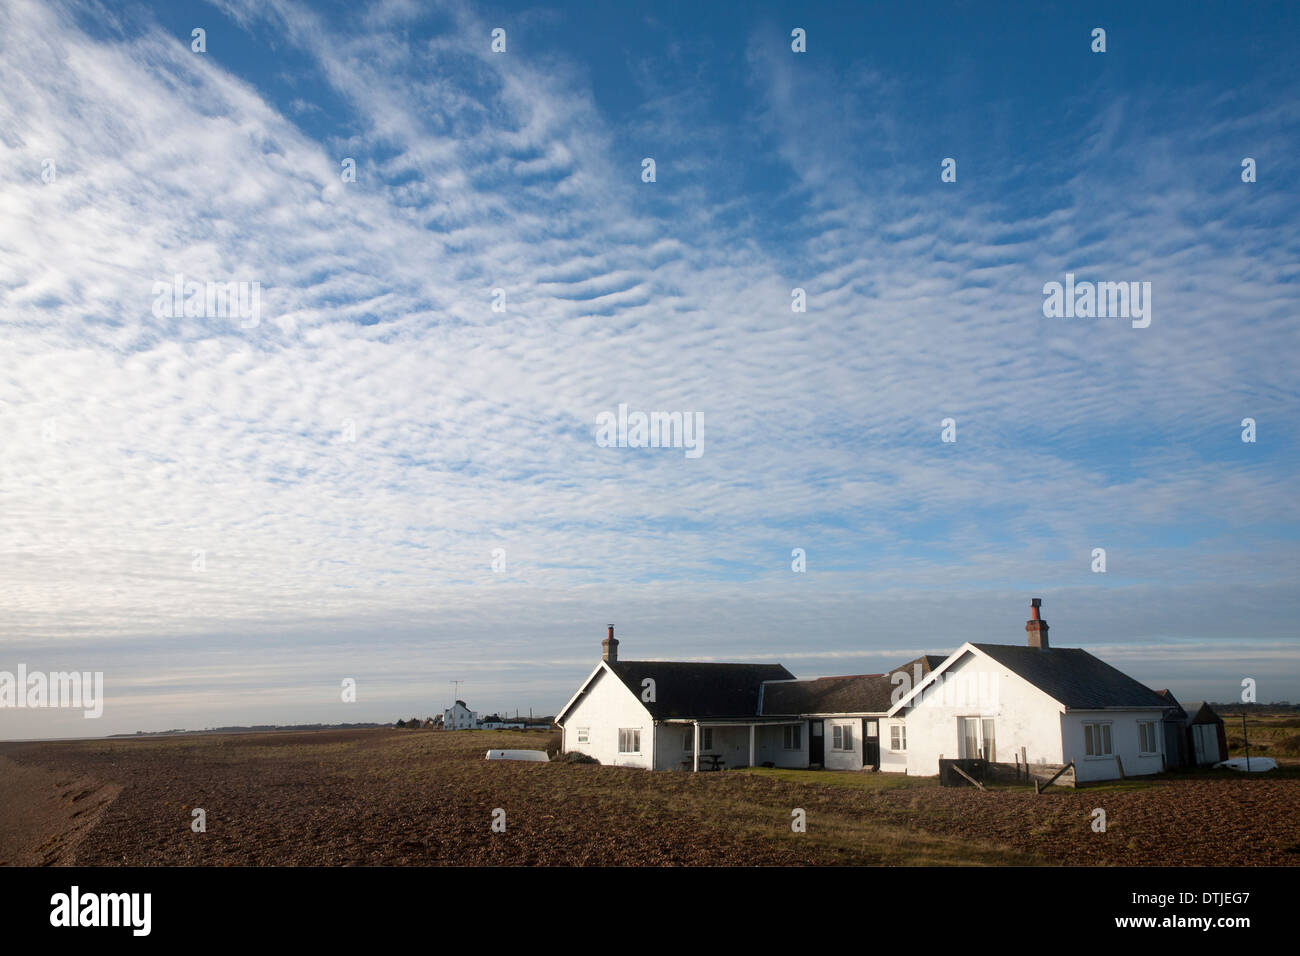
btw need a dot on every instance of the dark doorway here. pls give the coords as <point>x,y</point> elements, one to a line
<point>871,743</point>
<point>816,743</point>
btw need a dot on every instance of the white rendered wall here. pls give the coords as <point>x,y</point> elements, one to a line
<point>606,707</point>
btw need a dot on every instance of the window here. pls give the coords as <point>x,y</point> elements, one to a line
<point>629,740</point>
<point>706,739</point>
<point>1147,737</point>
<point>1096,740</point>
<point>897,737</point>
<point>793,737</point>
<point>584,735</point>
<point>842,737</point>
<point>975,738</point>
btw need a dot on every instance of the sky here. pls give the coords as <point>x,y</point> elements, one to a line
<point>390,472</point>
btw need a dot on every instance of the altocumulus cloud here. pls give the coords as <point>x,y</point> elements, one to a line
<point>230,520</point>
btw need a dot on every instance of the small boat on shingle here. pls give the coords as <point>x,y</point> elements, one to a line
<point>537,755</point>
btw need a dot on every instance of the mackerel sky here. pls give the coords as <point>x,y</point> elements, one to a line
<point>228,521</point>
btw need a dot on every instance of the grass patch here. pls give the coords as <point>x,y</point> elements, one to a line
<point>839,778</point>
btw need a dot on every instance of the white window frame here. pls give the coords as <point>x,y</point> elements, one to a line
<point>1143,726</point>
<point>842,738</point>
<point>633,737</point>
<point>792,737</point>
<point>898,738</point>
<point>584,735</point>
<point>1104,742</point>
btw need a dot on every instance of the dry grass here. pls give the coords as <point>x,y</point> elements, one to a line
<point>426,797</point>
<point>1270,735</point>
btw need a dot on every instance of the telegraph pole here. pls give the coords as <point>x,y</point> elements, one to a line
<point>1246,739</point>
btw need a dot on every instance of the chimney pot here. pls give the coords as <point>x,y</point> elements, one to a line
<point>1036,627</point>
<point>609,647</point>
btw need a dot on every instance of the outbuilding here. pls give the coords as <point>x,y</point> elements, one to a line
<point>1207,738</point>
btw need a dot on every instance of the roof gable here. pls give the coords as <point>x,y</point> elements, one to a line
<point>564,711</point>
<point>1203,713</point>
<point>1175,708</point>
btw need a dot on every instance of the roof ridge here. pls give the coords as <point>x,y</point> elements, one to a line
<point>846,676</point>
<point>715,663</point>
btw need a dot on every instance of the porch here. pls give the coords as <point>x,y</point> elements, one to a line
<point>718,744</point>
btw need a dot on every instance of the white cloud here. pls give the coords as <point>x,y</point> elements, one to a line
<point>475,429</point>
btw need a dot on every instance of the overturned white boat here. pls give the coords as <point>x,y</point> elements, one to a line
<point>536,755</point>
<point>1257,764</point>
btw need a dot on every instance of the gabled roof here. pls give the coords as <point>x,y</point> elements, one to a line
<point>1073,677</point>
<point>857,694</point>
<point>1175,708</point>
<point>928,663</point>
<point>1203,713</point>
<point>690,689</point>
<point>860,694</point>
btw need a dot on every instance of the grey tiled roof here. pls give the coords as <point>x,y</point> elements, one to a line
<point>690,689</point>
<point>859,694</point>
<point>1073,677</point>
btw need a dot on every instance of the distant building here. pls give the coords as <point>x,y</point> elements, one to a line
<point>497,722</point>
<point>459,717</point>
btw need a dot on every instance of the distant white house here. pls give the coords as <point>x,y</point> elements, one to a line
<point>497,722</point>
<point>459,717</point>
<point>1007,704</point>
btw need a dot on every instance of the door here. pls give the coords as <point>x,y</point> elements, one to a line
<point>871,743</point>
<point>816,743</point>
<point>1203,739</point>
<point>975,738</point>
<point>968,737</point>
<point>1173,752</point>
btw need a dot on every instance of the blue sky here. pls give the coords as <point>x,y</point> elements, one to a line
<point>348,465</point>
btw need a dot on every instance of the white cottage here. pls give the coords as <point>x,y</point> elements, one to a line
<point>1033,703</point>
<point>666,715</point>
<point>459,717</point>
<point>1002,703</point>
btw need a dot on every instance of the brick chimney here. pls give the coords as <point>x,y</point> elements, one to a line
<point>609,647</point>
<point>1036,627</point>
